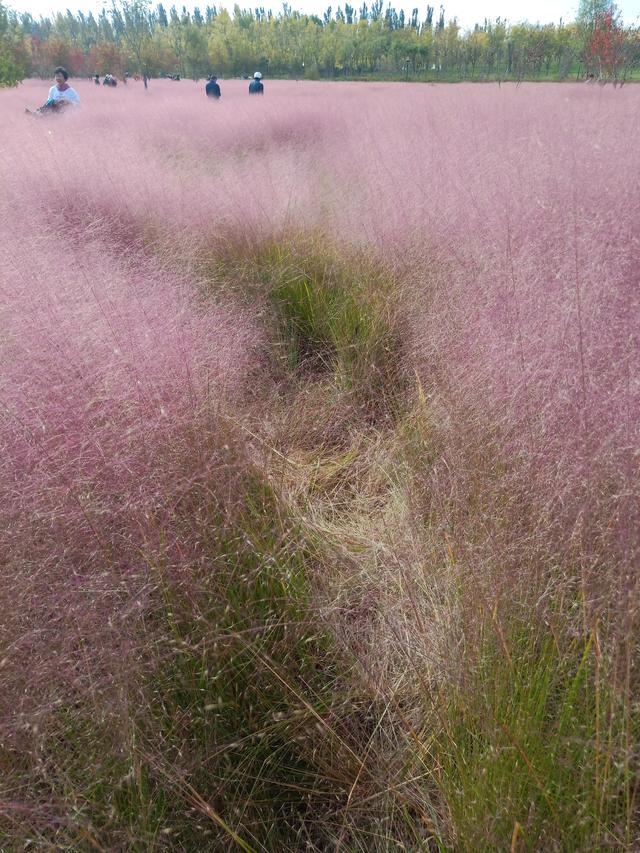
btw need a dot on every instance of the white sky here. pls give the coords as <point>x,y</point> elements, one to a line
<point>468,12</point>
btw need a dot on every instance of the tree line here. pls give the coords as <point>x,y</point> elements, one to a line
<point>348,42</point>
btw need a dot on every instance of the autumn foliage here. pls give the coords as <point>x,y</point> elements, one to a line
<point>605,46</point>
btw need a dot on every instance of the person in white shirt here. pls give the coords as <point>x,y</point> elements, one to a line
<point>60,95</point>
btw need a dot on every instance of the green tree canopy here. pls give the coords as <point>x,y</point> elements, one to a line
<point>14,54</point>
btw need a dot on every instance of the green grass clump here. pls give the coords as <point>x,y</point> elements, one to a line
<point>533,750</point>
<point>237,726</point>
<point>249,688</point>
<point>325,321</point>
<point>328,314</point>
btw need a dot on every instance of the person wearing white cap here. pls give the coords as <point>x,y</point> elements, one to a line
<point>256,87</point>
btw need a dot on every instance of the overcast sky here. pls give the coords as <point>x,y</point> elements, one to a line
<point>468,12</point>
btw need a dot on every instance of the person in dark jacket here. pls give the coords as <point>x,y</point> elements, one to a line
<point>212,88</point>
<point>256,87</point>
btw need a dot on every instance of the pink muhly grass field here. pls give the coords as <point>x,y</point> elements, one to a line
<point>509,214</point>
<point>113,373</point>
<point>532,340</point>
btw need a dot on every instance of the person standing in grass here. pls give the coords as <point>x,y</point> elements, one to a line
<point>212,88</point>
<point>256,87</point>
<point>60,95</point>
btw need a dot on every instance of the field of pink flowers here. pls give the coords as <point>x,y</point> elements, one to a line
<point>360,359</point>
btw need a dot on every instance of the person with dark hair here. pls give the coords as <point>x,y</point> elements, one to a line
<point>256,87</point>
<point>60,95</point>
<point>212,88</point>
<point>62,91</point>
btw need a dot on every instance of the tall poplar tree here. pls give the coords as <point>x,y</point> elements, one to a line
<point>589,10</point>
<point>12,59</point>
<point>132,25</point>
